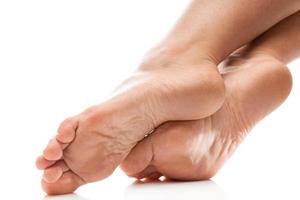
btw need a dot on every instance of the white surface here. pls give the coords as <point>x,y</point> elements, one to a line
<point>58,57</point>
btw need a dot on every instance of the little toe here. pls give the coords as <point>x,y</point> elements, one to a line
<point>139,158</point>
<point>148,172</point>
<point>67,183</point>
<point>153,176</point>
<point>53,173</point>
<point>53,151</point>
<point>67,130</point>
<point>41,163</point>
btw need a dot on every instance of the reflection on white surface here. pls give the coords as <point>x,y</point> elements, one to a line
<point>206,190</point>
<point>163,190</point>
<point>65,197</point>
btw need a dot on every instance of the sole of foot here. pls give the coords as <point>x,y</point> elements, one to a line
<point>196,150</point>
<point>91,145</point>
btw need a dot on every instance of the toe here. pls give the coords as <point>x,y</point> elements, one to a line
<point>68,183</point>
<point>139,158</point>
<point>41,163</point>
<point>53,173</point>
<point>67,130</point>
<point>150,173</point>
<point>53,151</point>
<point>154,176</point>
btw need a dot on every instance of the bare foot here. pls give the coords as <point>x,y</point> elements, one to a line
<point>89,146</point>
<point>256,82</point>
<point>195,150</point>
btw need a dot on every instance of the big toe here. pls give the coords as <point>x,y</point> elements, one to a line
<point>67,183</point>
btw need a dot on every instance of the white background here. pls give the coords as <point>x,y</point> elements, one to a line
<point>58,57</point>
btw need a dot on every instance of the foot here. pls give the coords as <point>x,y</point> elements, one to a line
<point>195,150</point>
<point>89,146</point>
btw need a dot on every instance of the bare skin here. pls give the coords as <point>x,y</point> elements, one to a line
<point>196,149</point>
<point>193,150</point>
<point>171,143</point>
<point>257,83</point>
<point>90,145</point>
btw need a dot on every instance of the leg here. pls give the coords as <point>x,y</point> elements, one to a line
<point>214,29</point>
<point>257,82</point>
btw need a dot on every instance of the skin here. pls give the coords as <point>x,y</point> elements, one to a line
<point>90,145</point>
<point>196,150</point>
<point>212,30</point>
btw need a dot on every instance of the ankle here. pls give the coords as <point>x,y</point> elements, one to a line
<point>208,83</point>
<point>174,56</point>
